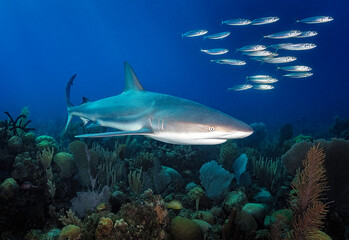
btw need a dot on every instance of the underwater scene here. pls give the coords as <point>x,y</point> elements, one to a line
<point>174,120</point>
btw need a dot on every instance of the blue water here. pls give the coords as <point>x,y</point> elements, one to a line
<point>43,43</point>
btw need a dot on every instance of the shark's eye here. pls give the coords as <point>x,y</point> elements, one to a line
<point>211,129</point>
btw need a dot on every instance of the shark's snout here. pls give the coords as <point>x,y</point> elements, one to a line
<point>242,131</point>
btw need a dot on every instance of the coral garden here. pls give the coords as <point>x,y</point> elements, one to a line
<point>267,186</point>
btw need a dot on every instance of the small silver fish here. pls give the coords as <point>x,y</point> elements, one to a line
<point>317,19</point>
<point>241,87</point>
<point>251,48</point>
<point>258,76</point>
<point>263,87</point>
<point>299,46</point>
<point>237,22</point>
<point>261,54</point>
<point>296,68</point>
<point>284,34</point>
<point>229,61</point>
<point>261,59</point>
<point>280,59</point>
<point>306,34</point>
<point>264,80</point>
<point>298,75</point>
<point>264,20</point>
<point>279,45</point>
<point>195,33</point>
<point>215,51</point>
<point>220,35</point>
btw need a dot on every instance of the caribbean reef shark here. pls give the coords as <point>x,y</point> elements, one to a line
<point>159,116</point>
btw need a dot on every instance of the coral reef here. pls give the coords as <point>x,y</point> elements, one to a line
<point>60,188</point>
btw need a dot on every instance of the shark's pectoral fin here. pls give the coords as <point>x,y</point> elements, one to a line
<point>142,131</point>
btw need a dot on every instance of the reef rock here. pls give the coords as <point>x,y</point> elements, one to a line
<point>43,142</point>
<point>8,188</point>
<point>257,210</point>
<point>15,144</point>
<point>66,163</point>
<point>184,228</point>
<point>70,232</point>
<point>234,199</point>
<point>105,226</point>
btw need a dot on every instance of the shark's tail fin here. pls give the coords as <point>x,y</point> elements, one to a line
<point>67,100</point>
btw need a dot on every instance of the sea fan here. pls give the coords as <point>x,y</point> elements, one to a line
<point>308,193</point>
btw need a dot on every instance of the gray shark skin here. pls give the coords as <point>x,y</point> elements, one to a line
<point>159,116</point>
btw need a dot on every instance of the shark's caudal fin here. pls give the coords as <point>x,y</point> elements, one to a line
<point>131,80</point>
<point>67,99</point>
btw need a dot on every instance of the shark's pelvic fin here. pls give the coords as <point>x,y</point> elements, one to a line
<point>68,121</point>
<point>143,131</point>
<point>131,80</point>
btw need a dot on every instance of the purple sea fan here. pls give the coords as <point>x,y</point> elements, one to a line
<point>86,201</point>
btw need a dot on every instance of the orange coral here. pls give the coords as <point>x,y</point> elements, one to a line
<point>105,226</point>
<point>306,202</point>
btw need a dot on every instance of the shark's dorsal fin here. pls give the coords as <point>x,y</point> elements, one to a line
<point>85,100</point>
<point>131,80</point>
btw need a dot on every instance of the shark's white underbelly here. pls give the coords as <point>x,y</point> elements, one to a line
<point>185,139</point>
<point>124,126</point>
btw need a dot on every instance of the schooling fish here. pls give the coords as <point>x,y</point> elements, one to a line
<point>251,48</point>
<point>261,59</point>
<point>237,22</point>
<point>296,68</point>
<point>298,75</point>
<point>280,59</point>
<point>317,19</point>
<point>263,87</point>
<point>258,77</point>
<point>215,51</point>
<point>299,46</point>
<point>306,34</point>
<point>241,87</point>
<point>284,34</point>
<point>264,80</point>
<point>261,54</point>
<point>229,61</point>
<point>194,33</point>
<point>264,20</point>
<point>220,35</point>
<point>279,45</point>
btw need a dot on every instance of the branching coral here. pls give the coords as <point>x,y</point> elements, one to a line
<point>45,157</point>
<point>270,173</point>
<point>196,194</point>
<point>19,124</point>
<point>70,219</point>
<point>135,182</point>
<point>307,197</point>
<point>309,186</point>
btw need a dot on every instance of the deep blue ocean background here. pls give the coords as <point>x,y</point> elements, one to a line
<point>43,43</point>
